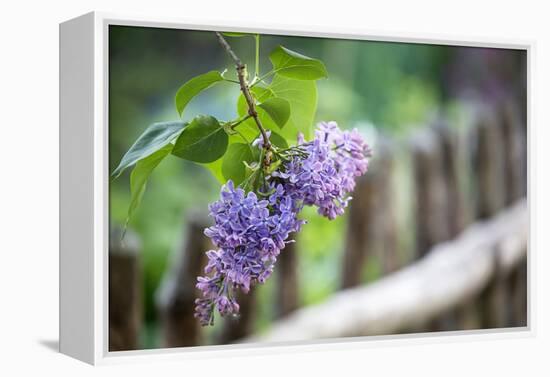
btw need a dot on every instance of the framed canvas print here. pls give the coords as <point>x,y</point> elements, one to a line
<point>231,189</point>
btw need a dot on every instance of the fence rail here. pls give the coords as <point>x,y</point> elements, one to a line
<point>451,273</point>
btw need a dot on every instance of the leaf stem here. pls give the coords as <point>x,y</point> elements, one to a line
<point>241,73</point>
<point>260,170</point>
<point>262,78</point>
<point>234,125</point>
<point>245,183</point>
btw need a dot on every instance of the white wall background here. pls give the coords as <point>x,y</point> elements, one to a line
<point>29,188</point>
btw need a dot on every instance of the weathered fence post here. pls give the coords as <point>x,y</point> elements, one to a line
<point>431,215</point>
<point>389,251</point>
<point>177,294</point>
<point>287,289</point>
<point>489,165</point>
<point>459,212</point>
<point>371,229</point>
<point>515,142</point>
<point>362,226</point>
<point>235,328</point>
<point>437,198</point>
<point>125,301</point>
<point>494,301</point>
<point>518,289</point>
<point>490,173</point>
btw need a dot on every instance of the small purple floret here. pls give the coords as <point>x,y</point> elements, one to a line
<point>325,177</point>
<point>249,234</point>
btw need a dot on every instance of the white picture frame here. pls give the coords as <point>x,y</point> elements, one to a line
<point>84,192</point>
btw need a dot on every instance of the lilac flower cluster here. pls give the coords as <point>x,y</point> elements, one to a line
<point>250,232</point>
<point>323,173</point>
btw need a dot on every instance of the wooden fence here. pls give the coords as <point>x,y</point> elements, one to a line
<point>448,276</point>
<point>464,268</point>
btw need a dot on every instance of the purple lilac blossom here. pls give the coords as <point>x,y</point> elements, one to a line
<point>259,141</point>
<point>325,174</point>
<point>249,232</point>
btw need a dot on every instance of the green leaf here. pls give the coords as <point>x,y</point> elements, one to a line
<point>140,175</point>
<point>278,110</point>
<point>233,167</point>
<point>277,140</point>
<point>216,169</point>
<point>261,94</point>
<point>193,87</point>
<point>154,138</point>
<point>302,96</point>
<point>291,64</point>
<point>203,140</point>
<point>249,128</point>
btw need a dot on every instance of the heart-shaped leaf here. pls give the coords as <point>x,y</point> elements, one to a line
<point>291,64</point>
<point>193,87</point>
<point>302,96</point>
<point>278,110</point>
<point>140,175</point>
<point>277,140</point>
<point>154,138</point>
<point>233,166</point>
<point>216,169</point>
<point>203,140</point>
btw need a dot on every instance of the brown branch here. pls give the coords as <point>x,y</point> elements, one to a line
<point>241,73</point>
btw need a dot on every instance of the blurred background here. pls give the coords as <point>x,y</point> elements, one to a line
<point>448,129</point>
